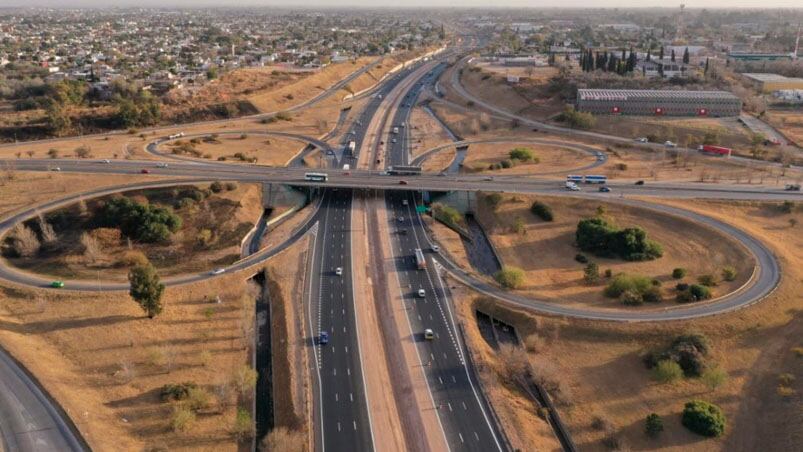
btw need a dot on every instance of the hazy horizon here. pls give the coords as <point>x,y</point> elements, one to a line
<point>498,4</point>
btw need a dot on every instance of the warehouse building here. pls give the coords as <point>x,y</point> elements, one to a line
<point>767,83</point>
<point>658,102</point>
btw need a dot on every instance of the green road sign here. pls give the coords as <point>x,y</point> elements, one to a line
<point>421,209</point>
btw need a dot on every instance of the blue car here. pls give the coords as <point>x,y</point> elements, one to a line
<point>323,339</point>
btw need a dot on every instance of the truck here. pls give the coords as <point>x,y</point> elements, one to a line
<point>715,150</point>
<point>404,170</point>
<point>420,261</point>
<point>351,146</point>
<point>395,130</point>
<point>175,135</point>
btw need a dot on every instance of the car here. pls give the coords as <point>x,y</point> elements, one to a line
<point>144,171</point>
<point>323,338</point>
<point>429,334</point>
<point>55,169</point>
<point>347,173</point>
<point>605,189</point>
<point>161,165</point>
<point>57,284</point>
<point>400,219</point>
<point>435,248</point>
<point>402,182</point>
<point>792,187</point>
<point>422,293</point>
<point>217,271</point>
<point>404,202</point>
<point>402,231</point>
<point>670,144</point>
<point>330,152</point>
<point>639,182</point>
<point>393,140</point>
<point>339,271</point>
<point>572,186</point>
<point>488,178</point>
<point>642,140</point>
<point>105,161</point>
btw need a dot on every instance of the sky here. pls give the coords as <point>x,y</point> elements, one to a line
<point>413,3</point>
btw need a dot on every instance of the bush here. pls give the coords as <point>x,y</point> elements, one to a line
<point>132,258</point>
<point>597,236</point>
<point>653,425</point>
<point>231,186</point>
<point>183,419</point>
<point>653,295</point>
<point>681,287</point>
<point>714,378</point>
<point>679,273</point>
<point>576,119</point>
<point>699,292</point>
<point>542,211</point>
<point>177,391</point>
<point>581,258</point>
<point>522,154</point>
<point>624,282</point>
<point>506,163</point>
<point>631,298</point>
<point>216,187</point>
<point>707,280</point>
<point>703,418</point>
<point>608,272</point>
<point>786,207</point>
<point>667,371</point>
<point>243,424</point>
<point>510,277</point>
<point>591,273</point>
<point>493,200</point>
<point>446,214</point>
<point>729,273</point>
<point>197,399</point>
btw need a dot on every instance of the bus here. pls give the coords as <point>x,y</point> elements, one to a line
<point>420,261</point>
<point>316,177</point>
<point>595,179</point>
<point>574,178</point>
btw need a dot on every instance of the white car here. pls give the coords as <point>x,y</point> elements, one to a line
<point>488,178</point>
<point>669,144</point>
<point>429,334</point>
<point>572,186</point>
<point>642,140</point>
<point>393,140</point>
<point>436,248</point>
<point>161,165</point>
<point>422,293</point>
<point>105,161</point>
<point>56,169</point>
<point>218,271</point>
<point>339,271</point>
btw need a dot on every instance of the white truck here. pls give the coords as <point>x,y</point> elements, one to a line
<point>395,130</point>
<point>572,186</point>
<point>351,146</point>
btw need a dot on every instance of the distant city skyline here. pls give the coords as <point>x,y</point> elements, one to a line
<point>709,4</point>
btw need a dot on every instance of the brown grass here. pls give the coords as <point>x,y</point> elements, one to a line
<point>551,158</point>
<point>601,366</point>
<point>267,150</point>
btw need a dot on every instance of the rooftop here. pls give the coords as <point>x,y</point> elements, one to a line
<point>626,94</point>
<point>765,77</point>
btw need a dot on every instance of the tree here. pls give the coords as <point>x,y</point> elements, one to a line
<point>57,118</point>
<point>146,289</point>
<point>243,425</point>
<point>679,273</point>
<point>661,54</point>
<point>667,371</point>
<point>729,273</point>
<point>705,71</point>
<point>591,273</point>
<point>653,425</point>
<point>672,56</point>
<point>24,241</point>
<point>703,418</point>
<point>542,211</point>
<point>244,378</point>
<point>493,200</point>
<point>686,56</point>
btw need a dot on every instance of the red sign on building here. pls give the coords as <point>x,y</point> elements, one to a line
<point>702,112</point>
<point>659,111</point>
<point>615,110</point>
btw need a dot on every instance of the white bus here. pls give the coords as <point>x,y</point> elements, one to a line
<point>596,179</point>
<point>316,177</point>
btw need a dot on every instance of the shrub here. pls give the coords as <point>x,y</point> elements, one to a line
<point>714,377</point>
<point>597,236</point>
<point>177,391</point>
<point>243,424</point>
<point>132,258</point>
<point>681,287</point>
<point>679,273</point>
<point>576,119</point>
<point>631,298</point>
<point>667,371</point>
<point>197,399</point>
<point>652,295</point>
<point>542,211</point>
<point>231,186</point>
<point>183,419</point>
<point>581,258</point>
<point>142,222</point>
<point>493,200</point>
<point>703,418</point>
<point>518,226</point>
<point>591,273</point>
<point>510,277</point>
<point>786,207</point>
<point>699,292</point>
<point>707,280</point>
<point>446,214</point>
<point>522,154</point>
<point>624,282</point>
<point>653,425</point>
<point>216,187</point>
<point>729,273</point>
<point>24,241</point>
<point>786,378</point>
<point>506,163</point>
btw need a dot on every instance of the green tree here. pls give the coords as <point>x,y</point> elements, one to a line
<point>493,200</point>
<point>510,277</point>
<point>679,273</point>
<point>703,418</point>
<point>57,118</point>
<point>541,210</point>
<point>653,425</point>
<point>591,273</point>
<point>146,289</point>
<point>729,273</point>
<point>243,425</point>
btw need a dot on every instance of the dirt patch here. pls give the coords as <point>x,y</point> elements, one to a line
<point>238,148</point>
<point>425,132</point>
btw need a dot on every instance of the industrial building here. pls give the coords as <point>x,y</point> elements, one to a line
<point>768,83</point>
<point>658,102</point>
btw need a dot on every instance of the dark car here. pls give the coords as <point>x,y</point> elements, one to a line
<point>639,182</point>
<point>145,171</point>
<point>402,182</point>
<point>605,189</point>
<point>323,339</point>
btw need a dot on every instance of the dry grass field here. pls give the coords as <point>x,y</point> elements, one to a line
<point>425,132</point>
<point>605,392</point>
<point>549,158</point>
<point>790,123</point>
<point>244,147</point>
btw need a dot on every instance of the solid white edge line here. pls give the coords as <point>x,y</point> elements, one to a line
<point>314,344</point>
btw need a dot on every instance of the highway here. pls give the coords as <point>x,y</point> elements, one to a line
<point>462,411</point>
